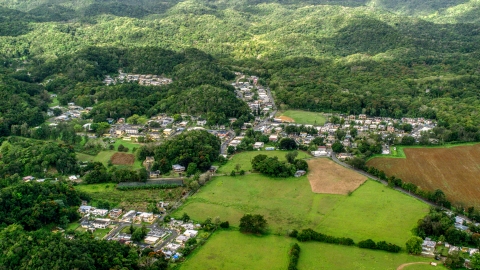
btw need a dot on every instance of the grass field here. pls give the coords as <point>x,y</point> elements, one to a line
<point>132,199</point>
<point>315,256</point>
<point>372,211</point>
<point>304,117</point>
<point>105,156</point>
<point>221,251</point>
<point>73,226</point>
<point>326,176</point>
<point>454,170</point>
<point>245,159</point>
<point>270,252</point>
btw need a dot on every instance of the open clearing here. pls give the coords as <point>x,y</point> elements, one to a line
<point>372,211</point>
<point>128,199</point>
<point>326,176</point>
<point>245,159</point>
<point>221,251</point>
<point>122,159</point>
<point>454,170</point>
<point>304,117</point>
<point>286,119</point>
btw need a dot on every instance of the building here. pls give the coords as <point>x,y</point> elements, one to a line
<point>191,233</point>
<point>145,217</point>
<point>99,212</point>
<point>115,213</point>
<point>258,145</point>
<point>273,138</point>
<point>101,223</point>
<point>178,168</point>
<point>151,240</point>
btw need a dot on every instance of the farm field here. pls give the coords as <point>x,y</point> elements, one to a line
<point>122,159</point>
<point>244,159</point>
<point>132,199</point>
<point>454,170</point>
<point>270,252</point>
<point>221,251</point>
<point>326,176</point>
<point>305,117</point>
<point>315,256</point>
<point>289,203</point>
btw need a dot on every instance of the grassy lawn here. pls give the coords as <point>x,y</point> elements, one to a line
<point>130,145</point>
<point>54,102</point>
<point>132,199</point>
<point>233,250</point>
<point>245,159</point>
<point>372,211</point>
<point>73,226</point>
<point>221,251</point>
<point>325,256</point>
<point>305,117</point>
<point>100,233</point>
<point>104,156</point>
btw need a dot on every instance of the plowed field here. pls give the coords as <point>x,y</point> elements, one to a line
<point>326,176</point>
<point>122,159</point>
<point>455,170</point>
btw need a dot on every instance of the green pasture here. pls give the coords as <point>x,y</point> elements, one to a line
<point>104,156</point>
<point>315,256</point>
<point>372,211</point>
<point>245,159</point>
<point>305,117</point>
<point>234,250</point>
<point>73,226</point>
<point>129,199</point>
<point>221,251</point>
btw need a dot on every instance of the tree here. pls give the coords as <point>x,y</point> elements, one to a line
<point>287,144</point>
<point>475,261</point>
<point>230,150</point>
<point>454,260</point>
<point>253,224</point>
<point>238,166</point>
<point>232,173</point>
<point>192,168</point>
<point>121,148</point>
<point>414,245</point>
<point>185,217</point>
<point>138,235</point>
<point>408,140</point>
<point>301,164</point>
<point>337,147</point>
<point>357,163</point>
<point>290,156</point>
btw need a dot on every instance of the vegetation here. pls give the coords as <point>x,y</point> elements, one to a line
<point>305,118</point>
<point>253,224</point>
<point>198,147</point>
<point>414,245</point>
<point>311,235</point>
<point>294,256</point>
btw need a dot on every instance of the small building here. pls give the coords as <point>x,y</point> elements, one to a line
<point>101,223</point>
<point>84,209</point>
<point>151,240</point>
<point>181,239</point>
<point>145,217</point>
<point>154,174</point>
<point>28,178</point>
<point>167,131</point>
<point>115,213</point>
<point>178,168</point>
<point>99,212</point>
<point>428,246</point>
<point>273,138</point>
<point>258,145</point>
<point>269,148</point>
<point>191,233</point>
<point>300,173</point>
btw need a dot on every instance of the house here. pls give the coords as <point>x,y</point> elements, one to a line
<point>128,217</point>
<point>145,217</point>
<point>344,156</point>
<point>191,233</point>
<point>72,178</point>
<point>273,138</point>
<point>115,213</point>
<point>99,212</point>
<point>101,223</point>
<point>428,246</point>
<point>154,174</point>
<point>201,123</point>
<point>28,178</point>
<point>362,116</point>
<point>151,240</point>
<point>181,239</point>
<point>258,145</point>
<point>148,162</point>
<point>178,168</point>
<point>167,131</point>
<point>84,209</point>
<point>300,173</point>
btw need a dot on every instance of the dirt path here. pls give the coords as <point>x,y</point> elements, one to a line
<point>407,264</point>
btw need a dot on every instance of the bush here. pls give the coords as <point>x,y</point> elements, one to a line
<point>293,258</point>
<point>369,243</point>
<point>311,235</point>
<point>225,225</point>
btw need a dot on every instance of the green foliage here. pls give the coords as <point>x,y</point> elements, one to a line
<point>287,144</point>
<point>414,245</point>
<point>272,166</point>
<point>32,157</point>
<point>294,255</point>
<point>253,224</point>
<point>311,235</point>
<point>197,147</point>
<point>34,205</point>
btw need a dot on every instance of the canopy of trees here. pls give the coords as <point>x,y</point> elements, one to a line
<point>198,147</point>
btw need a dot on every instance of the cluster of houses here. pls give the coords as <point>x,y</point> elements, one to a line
<point>142,79</point>
<point>70,112</point>
<point>255,95</point>
<point>186,230</point>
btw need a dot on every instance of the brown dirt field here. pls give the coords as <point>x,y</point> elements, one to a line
<point>122,159</point>
<point>286,119</point>
<point>326,176</point>
<point>408,264</point>
<point>454,170</point>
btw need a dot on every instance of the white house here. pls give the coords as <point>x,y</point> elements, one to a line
<point>101,223</point>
